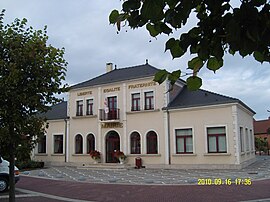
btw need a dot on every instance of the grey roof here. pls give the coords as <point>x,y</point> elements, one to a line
<point>187,98</point>
<point>122,74</point>
<point>58,111</point>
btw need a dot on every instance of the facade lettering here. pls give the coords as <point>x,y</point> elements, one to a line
<point>142,85</point>
<point>84,93</point>
<point>108,90</point>
<point>112,125</point>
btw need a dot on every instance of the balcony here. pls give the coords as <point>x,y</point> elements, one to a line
<point>112,115</point>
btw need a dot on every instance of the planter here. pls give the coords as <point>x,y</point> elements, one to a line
<point>122,160</point>
<point>96,161</point>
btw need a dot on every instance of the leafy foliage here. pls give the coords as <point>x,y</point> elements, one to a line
<point>31,73</point>
<point>221,28</point>
<point>261,144</point>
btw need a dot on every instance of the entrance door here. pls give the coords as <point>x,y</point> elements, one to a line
<point>112,102</point>
<point>112,145</point>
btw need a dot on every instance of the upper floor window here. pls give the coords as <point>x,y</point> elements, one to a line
<point>89,106</point>
<point>135,102</point>
<point>216,138</point>
<point>135,143</point>
<point>42,145</point>
<point>184,141</point>
<point>90,143</point>
<point>78,144</point>
<point>58,144</point>
<point>79,111</point>
<point>151,143</point>
<point>149,100</point>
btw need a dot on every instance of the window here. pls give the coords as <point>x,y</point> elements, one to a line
<point>58,144</point>
<point>184,141</point>
<point>90,143</point>
<point>79,108</point>
<point>78,144</point>
<point>242,143</point>
<point>135,102</point>
<point>135,143</point>
<point>149,100</point>
<point>89,106</point>
<point>216,138</point>
<point>151,142</point>
<point>247,140</point>
<point>42,145</point>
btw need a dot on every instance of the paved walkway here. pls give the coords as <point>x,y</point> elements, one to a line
<point>259,170</point>
<point>58,184</point>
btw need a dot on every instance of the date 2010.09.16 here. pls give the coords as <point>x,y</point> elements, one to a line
<point>228,181</point>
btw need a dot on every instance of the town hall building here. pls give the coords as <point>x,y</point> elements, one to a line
<point>124,109</point>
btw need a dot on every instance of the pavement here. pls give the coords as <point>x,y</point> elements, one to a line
<point>258,170</point>
<point>79,185</point>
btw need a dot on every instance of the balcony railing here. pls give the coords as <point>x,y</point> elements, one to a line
<point>112,115</point>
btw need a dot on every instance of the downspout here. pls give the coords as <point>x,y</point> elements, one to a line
<point>66,138</point>
<point>169,136</point>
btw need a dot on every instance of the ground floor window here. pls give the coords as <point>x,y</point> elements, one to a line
<point>242,143</point>
<point>216,138</point>
<point>78,144</point>
<point>151,143</point>
<point>135,143</point>
<point>42,145</point>
<point>58,144</point>
<point>90,143</point>
<point>184,141</point>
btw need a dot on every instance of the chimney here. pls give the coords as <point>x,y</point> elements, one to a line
<point>109,67</point>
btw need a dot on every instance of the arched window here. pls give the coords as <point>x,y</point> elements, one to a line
<point>90,143</point>
<point>151,143</point>
<point>135,143</point>
<point>78,144</point>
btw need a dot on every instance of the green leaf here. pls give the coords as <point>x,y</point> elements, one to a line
<point>151,28</point>
<point>174,47</point>
<point>195,64</point>
<point>214,64</point>
<point>131,5</point>
<point>174,76</point>
<point>161,76</point>
<point>169,44</point>
<point>165,29</point>
<point>153,10</point>
<point>194,83</point>
<point>258,56</point>
<point>113,18</point>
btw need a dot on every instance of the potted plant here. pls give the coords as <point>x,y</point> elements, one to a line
<point>120,156</point>
<point>95,155</point>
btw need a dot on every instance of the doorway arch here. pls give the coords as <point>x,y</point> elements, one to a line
<point>112,145</point>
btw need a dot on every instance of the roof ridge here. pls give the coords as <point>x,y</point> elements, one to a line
<point>121,71</point>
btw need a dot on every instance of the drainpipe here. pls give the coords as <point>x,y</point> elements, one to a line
<point>66,138</point>
<point>169,136</point>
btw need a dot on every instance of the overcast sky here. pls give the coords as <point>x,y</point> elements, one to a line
<point>82,28</point>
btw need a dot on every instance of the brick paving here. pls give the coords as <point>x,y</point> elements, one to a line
<point>78,185</point>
